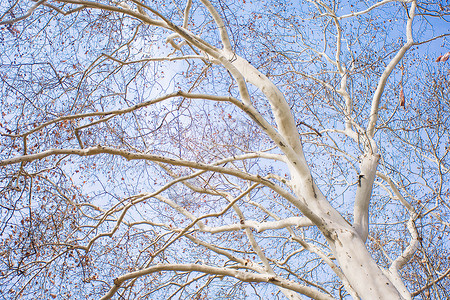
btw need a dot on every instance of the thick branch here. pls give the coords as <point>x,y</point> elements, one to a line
<point>262,226</point>
<point>387,71</point>
<point>363,194</point>
<point>177,162</point>
<point>240,275</point>
<point>219,22</point>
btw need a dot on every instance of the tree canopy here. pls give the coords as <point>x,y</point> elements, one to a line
<point>196,149</point>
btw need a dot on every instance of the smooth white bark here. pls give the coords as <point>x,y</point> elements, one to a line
<point>366,177</point>
<point>357,264</point>
<point>240,275</point>
<point>347,242</point>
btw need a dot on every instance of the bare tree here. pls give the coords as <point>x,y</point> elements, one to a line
<point>224,149</point>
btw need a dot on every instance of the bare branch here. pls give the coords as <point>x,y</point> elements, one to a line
<point>241,275</point>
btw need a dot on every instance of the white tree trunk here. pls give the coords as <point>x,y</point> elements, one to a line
<point>360,269</point>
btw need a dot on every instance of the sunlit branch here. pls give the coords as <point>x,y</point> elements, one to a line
<point>241,275</point>
<point>313,249</point>
<point>366,178</point>
<point>242,262</point>
<point>64,13</point>
<point>221,26</point>
<point>168,58</point>
<point>261,226</point>
<point>387,71</point>
<point>129,12</point>
<point>186,13</point>
<point>432,39</point>
<point>378,4</point>
<point>397,193</point>
<point>410,250</point>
